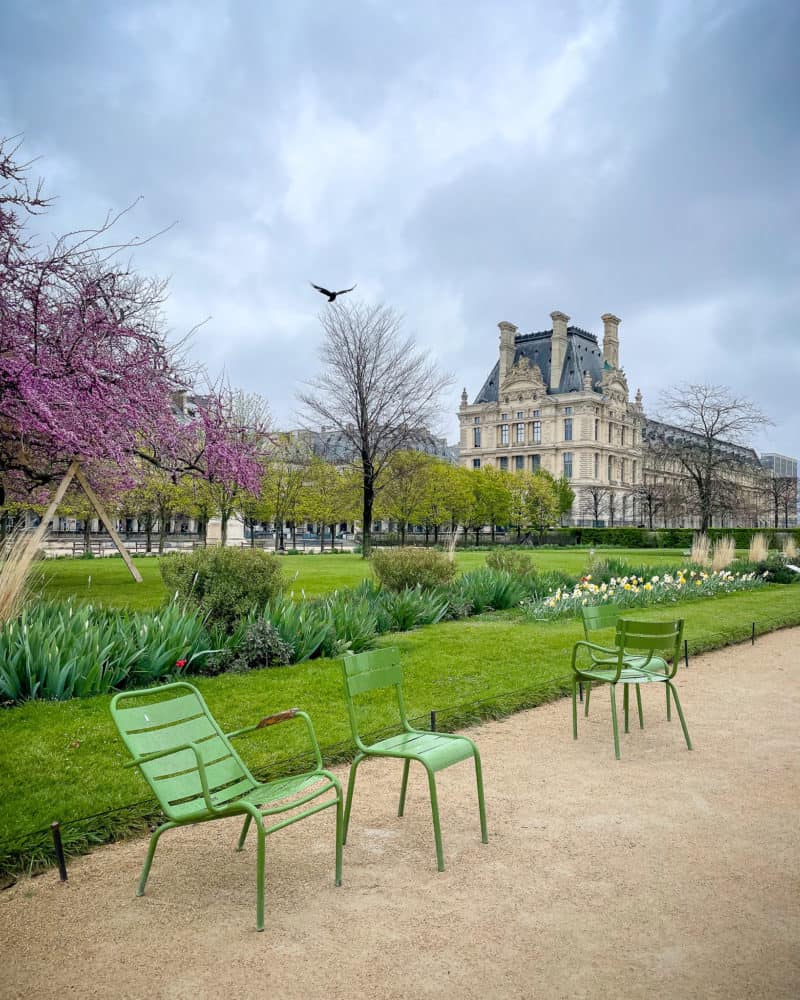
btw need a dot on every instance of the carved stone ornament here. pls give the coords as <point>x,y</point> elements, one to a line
<point>523,379</point>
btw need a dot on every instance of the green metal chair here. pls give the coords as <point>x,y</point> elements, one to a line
<point>634,659</point>
<point>372,671</point>
<point>197,776</point>
<point>602,618</point>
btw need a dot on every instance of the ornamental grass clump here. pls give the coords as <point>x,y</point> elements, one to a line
<point>16,557</point>
<point>789,547</point>
<point>759,548</point>
<point>59,650</point>
<point>487,589</point>
<point>640,591</point>
<point>399,568</point>
<point>701,549</point>
<point>411,608</point>
<point>723,552</point>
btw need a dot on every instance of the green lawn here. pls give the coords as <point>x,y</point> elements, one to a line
<point>63,760</point>
<point>107,581</point>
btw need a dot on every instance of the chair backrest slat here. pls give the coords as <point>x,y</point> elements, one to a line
<point>375,670</point>
<point>378,668</point>
<point>152,720</point>
<point>641,635</point>
<point>598,617</point>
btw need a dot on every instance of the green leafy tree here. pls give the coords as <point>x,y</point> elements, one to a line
<point>493,497</point>
<point>542,502</point>
<point>402,497</point>
<point>565,496</point>
<point>282,484</point>
<point>329,494</point>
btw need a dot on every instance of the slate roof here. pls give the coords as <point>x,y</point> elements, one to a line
<point>583,354</point>
<point>657,433</point>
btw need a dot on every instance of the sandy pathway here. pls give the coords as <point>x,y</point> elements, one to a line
<point>668,874</point>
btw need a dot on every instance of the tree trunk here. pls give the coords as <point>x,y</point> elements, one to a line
<point>223,531</point>
<point>162,534</point>
<point>369,500</point>
<point>87,535</point>
<point>148,533</point>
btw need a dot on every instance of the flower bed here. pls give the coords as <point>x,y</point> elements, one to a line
<point>638,591</point>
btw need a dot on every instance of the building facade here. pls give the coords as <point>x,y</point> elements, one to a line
<point>559,400</point>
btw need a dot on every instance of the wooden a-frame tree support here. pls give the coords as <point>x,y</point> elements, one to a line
<point>75,472</point>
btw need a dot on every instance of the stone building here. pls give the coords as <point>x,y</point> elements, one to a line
<point>559,400</point>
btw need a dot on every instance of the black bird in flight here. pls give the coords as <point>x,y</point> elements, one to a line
<point>331,295</point>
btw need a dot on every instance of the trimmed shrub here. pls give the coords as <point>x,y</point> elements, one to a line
<point>224,583</point>
<point>404,567</point>
<point>511,561</point>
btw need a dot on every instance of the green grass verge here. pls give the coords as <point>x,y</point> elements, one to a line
<point>107,581</point>
<point>63,760</point>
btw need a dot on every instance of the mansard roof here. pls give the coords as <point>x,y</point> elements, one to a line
<point>583,354</point>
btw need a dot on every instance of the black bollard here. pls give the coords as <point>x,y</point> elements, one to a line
<point>753,635</point>
<point>686,653</point>
<point>433,722</point>
<point>62,865</point>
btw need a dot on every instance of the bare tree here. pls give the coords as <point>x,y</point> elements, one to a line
<point>376,389</point>
<point>780,493</point>
<point>708,431</point>
<point>592,502</point>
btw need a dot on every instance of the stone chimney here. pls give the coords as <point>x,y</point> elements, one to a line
<point>559,347</point>
<point>611,339</point>
<point>464,398</point>
<point>508,348</point>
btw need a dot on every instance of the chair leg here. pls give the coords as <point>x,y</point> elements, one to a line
<point>639,705</point>
<point>403,786</point>
<point>613,689</point>
<point>574,709</point>
<point>680,715</point>
<point>586,703</point>
<point>151,850</point>
<point>625,699</point>
<point>351,783</point>
<point>669,712</point>
<point>339,835</point>
<point>262,838</point>
<point>481,800</point>
<point>243,835</point>
<point>437,832</point>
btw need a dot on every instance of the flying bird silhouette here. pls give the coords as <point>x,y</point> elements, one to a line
<point>331,295</point>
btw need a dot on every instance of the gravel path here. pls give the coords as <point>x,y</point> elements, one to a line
<point>668,874</point>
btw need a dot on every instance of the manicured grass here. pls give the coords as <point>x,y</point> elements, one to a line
<point>107,581</point>
<point>63,760</point>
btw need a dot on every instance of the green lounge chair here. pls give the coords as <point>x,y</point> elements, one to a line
<point>634,659</point>
<point>197,776</point>
<point>364,672</point>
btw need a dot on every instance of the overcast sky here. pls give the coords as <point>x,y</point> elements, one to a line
<point>464,162</point>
